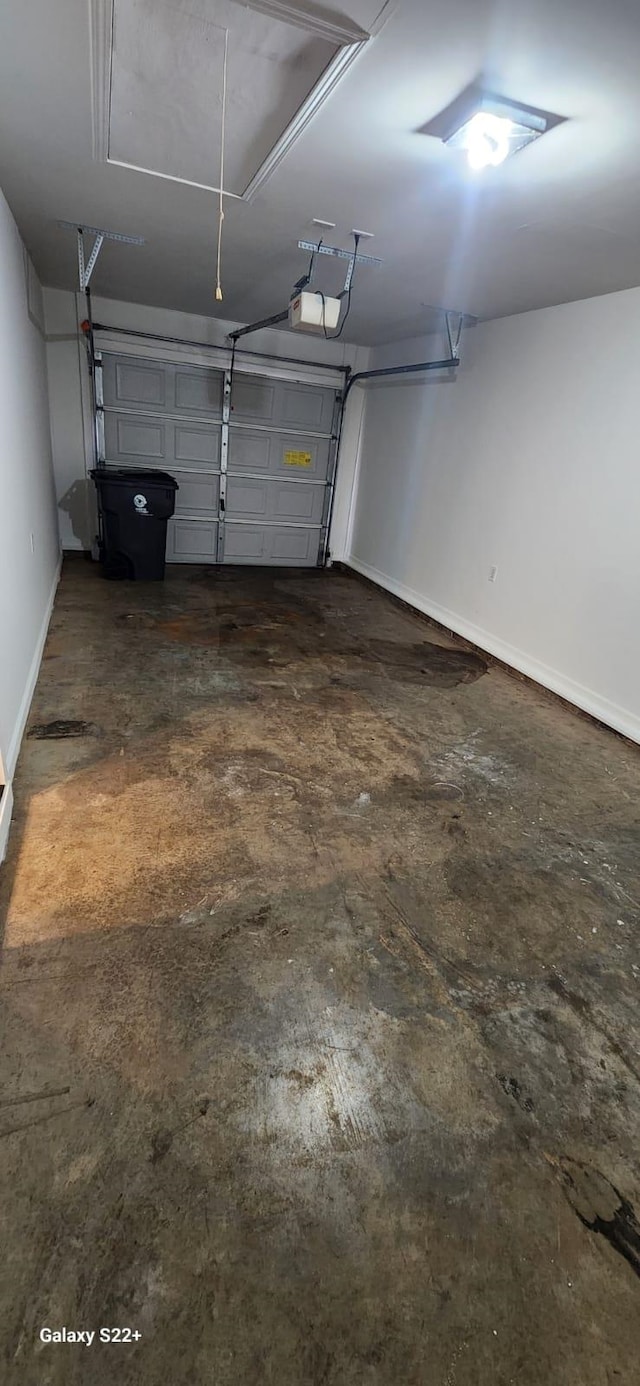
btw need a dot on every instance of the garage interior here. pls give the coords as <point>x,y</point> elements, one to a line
<point>320,893</point>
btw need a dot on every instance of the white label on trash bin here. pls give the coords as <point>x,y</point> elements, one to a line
<point>140,503</point>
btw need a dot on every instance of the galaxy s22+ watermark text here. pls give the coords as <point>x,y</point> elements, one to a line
<point>87,1337</point>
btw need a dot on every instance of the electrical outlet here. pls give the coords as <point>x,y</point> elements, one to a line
<point>493,573</point>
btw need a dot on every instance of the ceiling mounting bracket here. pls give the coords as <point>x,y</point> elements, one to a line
<point>351,265</point>
<point>454,334</point>
<point>86,268</point>
<point>85,271</point>
<point>321,249</point>
<point>352,256</point>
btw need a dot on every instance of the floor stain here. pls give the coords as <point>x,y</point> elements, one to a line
<point>60,729</point>
<point>303,1080</point>
<point>513,1089</point>
<point>435,665</point>
<point>602,1208</point>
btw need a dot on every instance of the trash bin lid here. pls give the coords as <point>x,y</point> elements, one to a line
<point>129,476</point>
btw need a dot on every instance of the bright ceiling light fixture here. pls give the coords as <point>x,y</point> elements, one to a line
<point>487,140</point>
<point>493,130</point>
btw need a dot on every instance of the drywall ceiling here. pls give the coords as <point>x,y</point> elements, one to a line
<point>557,222</point>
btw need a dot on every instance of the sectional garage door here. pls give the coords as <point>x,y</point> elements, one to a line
<point>253,462</point>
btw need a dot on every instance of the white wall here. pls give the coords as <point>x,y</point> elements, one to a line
<point>528,460</point>
<point>29,549</point>
<point>68,394</point>
<point>71,407</point>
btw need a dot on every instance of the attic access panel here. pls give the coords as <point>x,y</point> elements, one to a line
<point>165,79</point>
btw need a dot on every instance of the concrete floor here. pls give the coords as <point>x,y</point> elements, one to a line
<point>319,999</point>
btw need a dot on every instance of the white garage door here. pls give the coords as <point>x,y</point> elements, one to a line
<point>253,463</point>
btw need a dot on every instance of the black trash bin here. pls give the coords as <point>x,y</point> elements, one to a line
<point>135,507</point>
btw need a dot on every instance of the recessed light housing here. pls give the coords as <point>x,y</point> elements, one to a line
<point>493,129</point>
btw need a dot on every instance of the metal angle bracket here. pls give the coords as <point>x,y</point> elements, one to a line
<point>454,321</point>
<point>349,275</point>
<point>454,334</point>
<point>86,268</point>
<point>341,254</point>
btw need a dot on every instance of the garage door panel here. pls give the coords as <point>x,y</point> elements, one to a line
<point>304,407</point>
<point>281,404</point>
<point>294,502</point>
<point>263,544</point>
<point>199,391</point>
<point>245,544</point>
<point>131,439</point>
<point>198,495</point>
<point>127,382</point>
<point>253,397</point>
<point>197,443</point>
<point>191,541</point>
<point>274,500</point>
<point>295,546</point>
<point>247,499</point>
<point>145,441</point>
<point>249,451</point>
<point>304,458</point>
<point>278,454</point>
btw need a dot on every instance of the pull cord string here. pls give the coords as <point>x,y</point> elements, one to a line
<point>222,141</point>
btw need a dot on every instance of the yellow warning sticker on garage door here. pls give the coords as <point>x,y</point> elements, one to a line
<point>297,459</point>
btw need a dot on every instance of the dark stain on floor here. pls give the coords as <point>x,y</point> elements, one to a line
<point>60,729</point>
<point>513,1089</point>
<point>602,1208</point>
<point>423,661</point>
<point>380,903</point>
<point>296,628</point>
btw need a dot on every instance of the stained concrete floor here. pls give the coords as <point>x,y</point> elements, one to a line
<point>319,1060</point>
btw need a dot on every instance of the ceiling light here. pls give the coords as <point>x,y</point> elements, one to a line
<point>486,139</point>
<point>493,130</point>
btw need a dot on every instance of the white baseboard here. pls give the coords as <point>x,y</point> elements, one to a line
<point>6,806</point>
<point>611,713</point>
<point>6,802</point>
<point>32,678</point>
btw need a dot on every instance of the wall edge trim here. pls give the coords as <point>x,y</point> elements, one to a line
<point>32,679</point>
<point>6,809</point>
